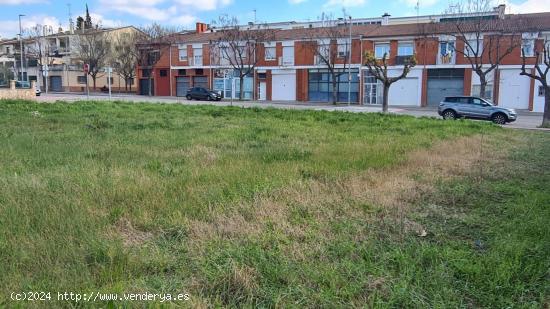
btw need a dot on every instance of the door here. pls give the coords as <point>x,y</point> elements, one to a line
<point>514,89</point>
<point>144,86</point>
<point>283,87</point>
<point>444,83</point>
<point>404,92</point>
<point>372,91</point>
<point>262,96</point>
<point>182,85</point>
<point>56,83</point>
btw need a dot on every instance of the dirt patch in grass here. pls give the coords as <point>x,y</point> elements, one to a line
<point>130,235</point>
<point>379,194</point>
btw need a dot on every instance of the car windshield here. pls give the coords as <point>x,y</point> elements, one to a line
<point>488,101</point>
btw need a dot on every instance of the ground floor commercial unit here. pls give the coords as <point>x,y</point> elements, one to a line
<point>423,86</point>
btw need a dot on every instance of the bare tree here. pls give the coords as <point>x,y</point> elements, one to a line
<point>152,42</point>
<point>238,45</point>
<point>542,67</point>
<point>125,56</point>
<point>330,46</point>
<point>39,47</point>
<point>379,69</point>
<point>93,49</point>
<point>487,39</point>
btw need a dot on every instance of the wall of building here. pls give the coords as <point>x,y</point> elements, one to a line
<point>413,88</point>
<point>22,94</point>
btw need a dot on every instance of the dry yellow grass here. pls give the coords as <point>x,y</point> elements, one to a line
<point>389,190</point>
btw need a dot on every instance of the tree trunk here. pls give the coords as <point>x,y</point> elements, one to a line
<point>385,96</point>
<point>241,87</point>
<point>546,115</point>
<point>94,80</point>
<point>150,86</point>
<point>483,85</point>
<point>334,90</point>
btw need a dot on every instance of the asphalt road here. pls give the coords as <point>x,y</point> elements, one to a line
<point>526,119</point>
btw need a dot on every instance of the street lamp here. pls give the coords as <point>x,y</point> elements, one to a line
<point>21,44</point>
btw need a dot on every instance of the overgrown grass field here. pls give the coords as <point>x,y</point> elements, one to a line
<point>270,208</point>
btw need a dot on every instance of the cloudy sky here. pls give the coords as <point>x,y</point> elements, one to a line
<point>184,13</point>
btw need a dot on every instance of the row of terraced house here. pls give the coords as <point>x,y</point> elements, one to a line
<point>288,71</point>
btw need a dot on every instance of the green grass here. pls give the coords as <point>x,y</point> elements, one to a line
<point>244,207</point>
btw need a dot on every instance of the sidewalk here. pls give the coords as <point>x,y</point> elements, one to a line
<point>526,120</point>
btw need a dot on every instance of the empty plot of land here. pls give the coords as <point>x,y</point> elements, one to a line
<point>267,207</point>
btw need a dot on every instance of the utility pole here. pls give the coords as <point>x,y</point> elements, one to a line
<point>349,65</point>
<point>21,44</point>
<point>109,72</point>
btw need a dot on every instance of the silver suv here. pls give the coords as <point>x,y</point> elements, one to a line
<point>476,108</point>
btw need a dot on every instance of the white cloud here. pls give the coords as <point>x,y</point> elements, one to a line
<point>344,3</point>
<point>296,1</point>
<point>528,6</point>
<point>104,22</point>
<point>205,5</point>
<point>10,28</point>
<point>184,20</point>
<point>144,9</point>
<point>20,2</point>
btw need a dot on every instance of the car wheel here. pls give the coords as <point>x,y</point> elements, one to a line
<point>499,118</point>
<point>188,97</point>
<point>449,114</point>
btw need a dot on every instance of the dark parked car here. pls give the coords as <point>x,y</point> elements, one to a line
<point>199,93</point>
<point>475,108</point>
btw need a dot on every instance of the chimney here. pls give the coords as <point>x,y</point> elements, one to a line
<point>385,19</point>
<point>201,27</point>
<point>501,10</point>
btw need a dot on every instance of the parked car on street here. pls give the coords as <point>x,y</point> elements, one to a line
<point>27,85</point>
<point>475,108</point>
<point>199,93</point>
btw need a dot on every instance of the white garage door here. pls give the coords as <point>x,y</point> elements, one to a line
<point>283,87</point>
<point>404,92</point>
<point>513,90</point>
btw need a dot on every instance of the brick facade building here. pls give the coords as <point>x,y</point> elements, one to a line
<point>289,71</point>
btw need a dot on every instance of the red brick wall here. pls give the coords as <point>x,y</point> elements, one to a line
<point>424,95</point>
<point>426,50</point>
<point>303,54</point>
<point>301,85</point>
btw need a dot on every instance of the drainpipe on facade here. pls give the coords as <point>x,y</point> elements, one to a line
<point>170,71</point>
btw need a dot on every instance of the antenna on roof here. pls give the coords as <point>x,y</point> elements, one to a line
<point>417,8</point>
<point>71,25</point>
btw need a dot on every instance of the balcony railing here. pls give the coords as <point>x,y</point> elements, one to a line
<point>195,61</point>
<point>285,61</point>
<point>58,50</point>
<point>446,59</point>
<point>402,60</point>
